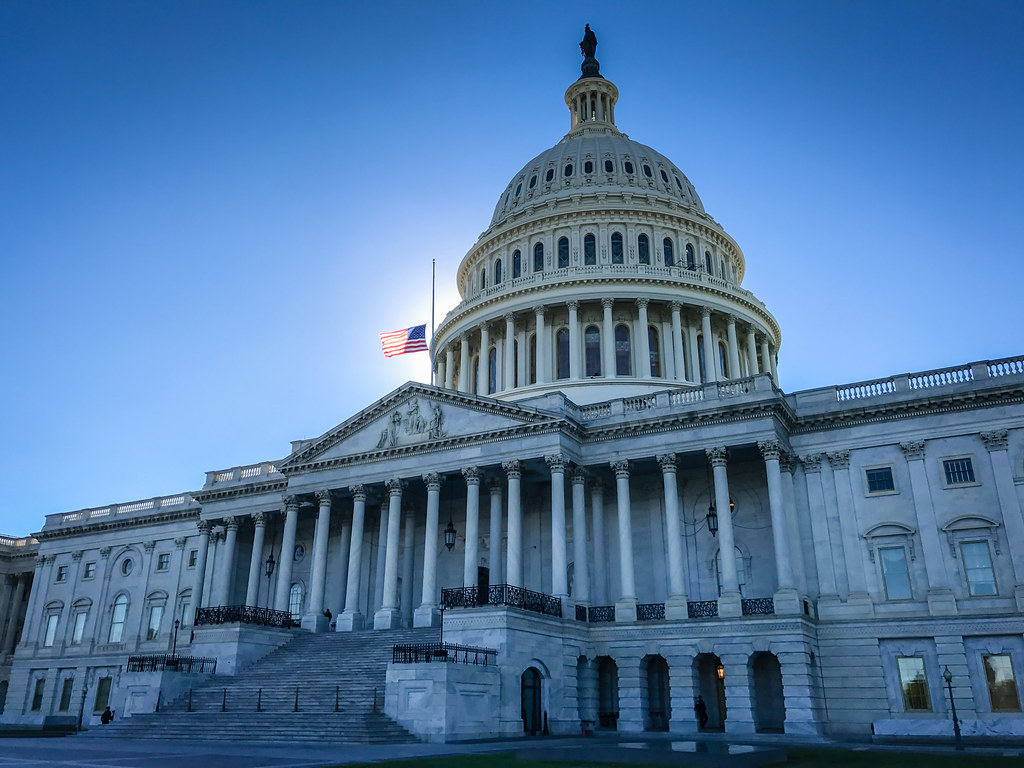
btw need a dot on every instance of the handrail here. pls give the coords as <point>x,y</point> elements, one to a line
<point>419,653</point>
<point>172,663</point>
<point>244,614</point>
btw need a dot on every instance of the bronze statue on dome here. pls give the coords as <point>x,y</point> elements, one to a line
<point>588,47</point>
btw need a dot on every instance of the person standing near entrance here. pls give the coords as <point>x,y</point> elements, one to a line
<point>701,710</point>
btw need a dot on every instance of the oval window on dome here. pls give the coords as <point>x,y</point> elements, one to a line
<point>568,170</point>
<point>588,167</point>
<point>628,166</point>
<point>609,166</point>
<point>648,172</point>
<point>679,184</point>
<point>533,181</point>
<point>664,176</point>
<point>550,174</point>
<point>519,188</point>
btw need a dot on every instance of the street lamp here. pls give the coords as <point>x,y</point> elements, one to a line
<point>712,517</point>
<point>174,645</point>
<point>449,535</point>
<point>957,738</point>
<point>270,572</point>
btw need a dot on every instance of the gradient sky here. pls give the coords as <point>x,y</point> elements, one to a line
<point>208,210</point>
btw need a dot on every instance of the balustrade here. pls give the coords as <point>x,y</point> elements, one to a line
<point>702,609</point>
<point>243,614</point>
<point>167,663</point>
<point>502,594</point>
<point>420,653</point>
<point>650,611</point>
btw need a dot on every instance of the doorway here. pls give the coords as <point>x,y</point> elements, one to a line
<point>483,584</point>
<point>769,702</point>
<point>657,709</point>
<point>607,693</point>
<point>709,682</point>
<point>531,704</point>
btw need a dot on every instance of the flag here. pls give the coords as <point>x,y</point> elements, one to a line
<point>412,339</point>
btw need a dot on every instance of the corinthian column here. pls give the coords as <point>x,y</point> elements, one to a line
<point>645,339</point>
<point>227,566</point>
<point>677,342</point>
<point>625,606</point>
<point>494,486</point>
<point>351,619</point>
<point>204,551</point>
<point>581,567</point>
<point>426,615</point>
<point>734,351</point>
<point>514,545</point>
<point>729,602</point>
<point>574,340</point>
<point>508,380</point>
<point>388,617</point>
<point>472,559</point>
<point>996,443</point>
<point>675,605</point>
<point>483,376</point>
<point>314,619</point>
<point>858,600</point>
<point>449,366</point>
<point>284,573</point>
<point>607,339</point>
<point>559,577</point>
<point>751,351</point>
<point>464,363</point>
<point>252,587</point>
<point>786,599</point>
<point>710,357</point>
<point>542,346</point>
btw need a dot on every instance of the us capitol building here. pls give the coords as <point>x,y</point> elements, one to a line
<point>607,500</point>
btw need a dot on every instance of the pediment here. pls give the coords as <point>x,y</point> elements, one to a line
<point>416,417</point>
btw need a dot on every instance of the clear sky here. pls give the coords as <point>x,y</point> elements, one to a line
<point>208,210</point>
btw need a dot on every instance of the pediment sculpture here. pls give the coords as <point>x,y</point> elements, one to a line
<point>411,424</point>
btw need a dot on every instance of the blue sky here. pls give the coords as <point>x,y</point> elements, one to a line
<point>209,210</point>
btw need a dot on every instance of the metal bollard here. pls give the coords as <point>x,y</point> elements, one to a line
<point>259,700</point>
<point>189,700</point>
<point>337,694</point>
<point>296,699</point>
<point>158,693</point>
<point>224,700</point>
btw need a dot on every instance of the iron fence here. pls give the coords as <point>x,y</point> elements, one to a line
<point>419,653</point>
<point>244,614</point>
<point>650,611</point>
<point>758,606</point>
<point>168,663</point>
<point>702,609</point>
<point>502,594</point>
<point>599,613</point>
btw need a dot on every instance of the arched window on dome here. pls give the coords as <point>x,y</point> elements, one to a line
<point>588,167</point>
<point>538,257</point>
<point>519,188</point>
<point>515,363</point>
<point>549,175</point>
<point>497,271</point>
<point>609,166</point>
<point>517,264</point>
<point>700,358</point>
<point>707,262</point>
<point>690,263</point>
<point>655,350</point>
<point>567,171</point>
<point>592,350</point>
<point>589,250</point>
<point>563,252</point>
<point>669,251</point>
<point>532,359</point>
<point>483,278</point>
<point>533,181</point>
<point>492,370</point>
<point>628,167</point>
<point>722,357</point>
<point>623,353</point>
<point>616,247</point>
<point>643,249</point>
<point>647,171</point>
<point>562,354</point>
<point>664,176</point>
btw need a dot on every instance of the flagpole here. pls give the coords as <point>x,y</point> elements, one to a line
<point>433,271</point>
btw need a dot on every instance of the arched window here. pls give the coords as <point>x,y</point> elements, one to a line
<point>721,362</point>
<point>652,343</point>
<point>629,167</point>
<point>567,171</point>
<point>483,278</point>
<point>588,167</point>
<point>519,188</point>
<point>533,181</point>
<point>592,350</point>
<point>549,175</point>
<point>497,271</point>
<point>538,257</point>
<point>492,371</point>
<point>690,264</point>
<point>700,358</point>
<point>515,362</point>
<point>117,617</point>
<point>643,249</point>
<point>517,264</point>
<point>741,570</point>
<point>532,359</point>
<point>623,357</point>
<point>562,353</point>
<point>616,247</point>
<point>295,601</point>
<point>563,252</point>
<point>609,166</point>
<point>474,370</point>
<point>670,256</point>
<point>664,176</point>
<point>707,261</point>
<point>589,250</point>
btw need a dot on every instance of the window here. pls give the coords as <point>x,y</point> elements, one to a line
<point>163,561</point>
<point>978,568</point>
<point>707,262</point>
<point>913,684</point>
<point>588,167</point>
<point>295,601</point>
<point>515,365</point>
<point>517,264</point>
<point>90,571</point>
<point>690,264</point>
<point>492,370</point>
<point>629,167</point>
<point>126,566</point>
<point>37,695</point>
<point>497,271</point>
<point>623,364</point>
<point>102,694</point>
<point>483,278</point>
<point>592,350</point>
<point>519,188</point>
<point>65,694</point>
<point>79,629</point>
<point>609,166</point>
<point>62,573</point>
<point>616,248</point>
<point>652,342</point>
<point>563,252</point>
<point>643,249</point>
<point>567,171</point>
<point>549,175</point>
<point>664,176</point>
<point>533,181</point>
<point>589,250</point>
<point>678,183</point>
<point>562,354</point>
<point>670,256</point>
<point>647,171</point>
<point>1002,684</point>
<point>156,615</point>
<point>880,480</point>
<point>117,618</point>
<point>186,613</point>
<point>532,353</point>
<point>538,257</point>
<point>51,630</point>
<point>958,471</point>
<point>894,573</point>
<point>192,556</point>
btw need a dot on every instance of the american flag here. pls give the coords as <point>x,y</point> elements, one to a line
<point>412,339</point>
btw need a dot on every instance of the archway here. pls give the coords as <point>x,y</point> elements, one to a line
<point>3,695</point>
<point>483,585</point>
<point>657,706</point>
<point>607,693</point>
<point>766,687</point>
<point>709,682</point>
<point>531,702</point>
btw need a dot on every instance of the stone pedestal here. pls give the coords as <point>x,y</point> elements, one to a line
<point>941,602</point>
<point>316,622</point>
<point>788,603</point>
<point>675,608</point>
<point>349,622</point>
<point>730,605</point>
<point>426,616</point>
<point>625,611</point>
<point>1018,594</point>
<point>387,618</point>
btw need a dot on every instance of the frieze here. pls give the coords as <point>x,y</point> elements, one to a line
<point>411,425</point>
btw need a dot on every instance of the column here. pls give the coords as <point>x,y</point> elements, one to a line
<point>472,559</point>
<point>344,548</point>
<point>675,605</point>
<point>858,598</point>
<point>766,357</point>
<point>521,358</point>
<point>710,355</point>
<point>600,579</point>
<point>625,606</point>
<point>608,339</point>
<point>408,558</point>
<point>581,565</point>
<point>464,363</point>
<point>252,588</point>
<point>734,352</point>
<point>426,615</point>
<point>382,557</point>
<point>510,346</point>
<point>941,601</point>
<point>789,505</point>
<point>827,592</point>
<point>351,619</point>
<point>314,619</point>
<point>729,602</point>
<point>559,577</point>
<point>786,599</point>
<point>449,366</point>
<point>227,565</point>
<point>574,340</point>
<point>751,351</point>
<point>644,339</point>
<point>542,346</point>
<point>514,545</point>
<point>387,617</point>
<point>677,342</point>
<point>12,624</point>
<point>494,485</point>
<point>1009,504</point>
<point>204,551</point>
<point>284,573</point>
<point>691,331</point>
<point>483,376</point>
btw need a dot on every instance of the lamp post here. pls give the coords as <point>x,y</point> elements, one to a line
<point>270,572</point>
<point>174,644</point>
<point>957,738</point>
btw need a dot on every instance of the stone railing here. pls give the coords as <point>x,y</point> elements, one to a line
<point>237,474</point>
<point>100,514</point>
<point>1008,366</point>
<point>16,542</point>
<point>940,377</point>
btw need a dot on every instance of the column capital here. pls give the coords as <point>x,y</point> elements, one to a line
<point>839,459</point>
<point>105,551</point>
<point>180,542</point>
<point>642,302</point>
<point>513,468</point>
<point>705,311</point>
<point>433,481</point>
<point>573,305</point>
<point>231,523</point>
<point>323,496</point>
<point>77,555</point>
<point>786,461</point>
<point>667,462</point>
<point>579,475</point>
<point>494,485</point>
<point>731,320</point>
<point>620,468</point>
<point>556,462</point>
<point>358,492</point>
<point>996,440</point>
<point>40,561</point>
<point>150,545</point>
<point>204,527</point>
<point>472,475</point>
<point>607,302</point>
<point>811,462</point>
<point>509,317</point>
<point>539,310</point>
<point>676,306</point>
<point>394,486</point>
<point>259,519</point>
<point>770,449</point>
<point>291,502</point>
<point>752,329</point>
<point>718,456</point>
<point>913,449</point>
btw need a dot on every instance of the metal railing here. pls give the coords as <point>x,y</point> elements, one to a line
<point>166,663</point>
<point>502,594</point>
<point>650,611</point>
<point>244,614</point>
<point>420,653</point>
<point>758,606</point>
<point>600,613</point>
<point>702,609</point>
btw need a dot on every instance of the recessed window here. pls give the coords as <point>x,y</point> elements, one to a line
<point>647,171</point>
<point>880,480</point>
<point>51,630</point>
<point>549,175</point>
<point>483,278</point>
<point>79,630</point>
<point>163,561</point>
<point>589,250</point>
<point>670,257</point>
<point>679,184</point>
<point>538,257</point>
<point>295,600</point>
<point>977,561</point>
<point>562,354</point>
<point>588,167</point>
<point>65,694</point>
<point>497,271</point>
<point>1002,683</point>
<point>89,571</point>
<point>958,471</point>
<point>517,264</point>
<point>623,356</point>
<point>156,615</point>
<point>643,249</point>
<point>592,350</point>
<point>117,617</point>
<point>894,573</point>
<point>126,566</point>
<point>492,371</point>
<point>629,167</point>
<point>652,344</point>
<point>707,262</point>
<point>193,555</point>
<point>567,171</point>
<point>664,176</point>
<point>37,695</point>
<point>913,684</point>
<point>563,252</point>
<point>102,694</point>
<point>616,248</point>
<point>519,188</point>
<point>533,181</point>
<point>690,263</point>
<point>62,573</point>
<point>609,166</point>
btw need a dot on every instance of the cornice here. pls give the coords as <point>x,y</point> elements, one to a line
<point>113,525</point>
<point>240,491</point>
<point>659,423</point>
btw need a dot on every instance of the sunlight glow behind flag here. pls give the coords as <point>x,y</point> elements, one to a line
<point>412,339</point>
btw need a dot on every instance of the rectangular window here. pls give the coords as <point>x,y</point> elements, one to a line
<point>62,573</point>
<point>186,617</point>
<point>978,568</point>
<point>51,630</point>
<point>65,693</point>
<point>958,471</point>
<point>156,615</point>
<point>79,631</point>
<point>914,684</point>
<point>37,695</point>
<point>192,556</point>
<point>90,571</point>
<point>1002,684</point>
<point>102,694</point>
<point>880,480</point>
<point>163,561</point>
<point>894,573</point>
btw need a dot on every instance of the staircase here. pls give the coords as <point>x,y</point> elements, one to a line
<point>333,670</point>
